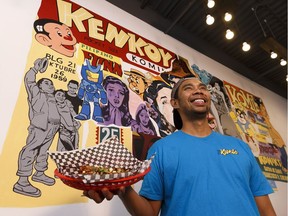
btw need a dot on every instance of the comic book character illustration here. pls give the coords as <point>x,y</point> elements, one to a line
<point>68,133</point>
<point>44,124</point>
<point>158,96</point>
<point>212,122</point>
<point>221,108</point>
<point>138,81</point>
<point>204,76</point>
<point>277,140</point>
<point>143,122</point>
<point>91,90</point>
<point>56,36</point>
<point>218,98</point>
<point>141,144</point>
<point>247,131</point>
<point>117,110</point>
<point>72,95</point>
<point>180,68</point>
<point>170,79</point>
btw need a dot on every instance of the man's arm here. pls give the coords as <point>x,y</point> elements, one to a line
<point>135,204</point>
<point>30,83</point>
<point>265,206</point>
<point>30,77</point>
<point>138,205</point>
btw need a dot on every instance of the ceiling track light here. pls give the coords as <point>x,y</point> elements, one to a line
<point>211,3</point>
<point>245,46</point>
<point>229,34</point>
<point>209,19</point>
<point>273,55</point>
<point>283,62</point>
<point>228,17</point>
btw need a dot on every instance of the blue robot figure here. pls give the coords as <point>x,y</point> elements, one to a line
<point>91,90</point>
<point>204,76</point>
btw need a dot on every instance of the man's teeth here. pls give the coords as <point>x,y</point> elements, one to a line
<point>199,100</point>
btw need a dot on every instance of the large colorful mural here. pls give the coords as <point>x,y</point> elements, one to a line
<point>88,79</point>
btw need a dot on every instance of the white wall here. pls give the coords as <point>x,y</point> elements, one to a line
<point>16,33</point>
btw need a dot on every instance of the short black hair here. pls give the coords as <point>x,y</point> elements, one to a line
<point>40,81</point>
<point>40,23</point>
<point>73,82</point>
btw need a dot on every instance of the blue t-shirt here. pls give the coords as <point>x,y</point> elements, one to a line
<point>215,175</point>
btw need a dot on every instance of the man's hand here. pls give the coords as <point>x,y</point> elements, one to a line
<point>135,204</point>
<point>41,64</point>
<point>99,196</point>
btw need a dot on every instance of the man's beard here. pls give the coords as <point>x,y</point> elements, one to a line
<point>198,115</point>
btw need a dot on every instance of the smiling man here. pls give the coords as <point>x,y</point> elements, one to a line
<point>55,35</point>
<point>197,171</point>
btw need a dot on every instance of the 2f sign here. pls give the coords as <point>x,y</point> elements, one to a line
<point>108,132</point>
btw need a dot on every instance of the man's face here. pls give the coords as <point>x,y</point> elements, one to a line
<point>136,84</point>
<point>72,88</point>
<point>193,97</point>
<point>61,39</point>
<point>47,86</point>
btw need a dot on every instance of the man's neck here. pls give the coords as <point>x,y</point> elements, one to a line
<point>199,128</point>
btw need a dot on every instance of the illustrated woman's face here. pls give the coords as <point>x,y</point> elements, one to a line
<point>115,94</point>
<point>144,117</point>
<point>60,96</point>
<point>163,102</point>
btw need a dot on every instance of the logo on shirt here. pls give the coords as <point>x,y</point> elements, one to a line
<point>228,151</point>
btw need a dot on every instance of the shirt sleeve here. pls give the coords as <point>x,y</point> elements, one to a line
<point>259,185</point>
<point>152,185</point>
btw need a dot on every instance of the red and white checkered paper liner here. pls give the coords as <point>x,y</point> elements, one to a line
<point>110,153</point>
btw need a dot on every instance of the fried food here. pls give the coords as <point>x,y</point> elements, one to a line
<point>100,170</point>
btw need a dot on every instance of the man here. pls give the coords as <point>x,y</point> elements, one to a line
<point>138,81</point>
<point>68,138</point>
<point>72,96</point>
<point>44,124</point>
<point>197,171</point>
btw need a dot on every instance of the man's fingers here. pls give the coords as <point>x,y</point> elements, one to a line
<point>97,197</point>
<point>107,194</point>
<point>85,193</point>
<point>121,191</point>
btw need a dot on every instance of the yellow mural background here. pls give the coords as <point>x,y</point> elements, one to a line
<point>59,193</point>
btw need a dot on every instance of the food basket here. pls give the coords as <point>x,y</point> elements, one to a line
<point>78,183</point>
<point>109,154</point>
